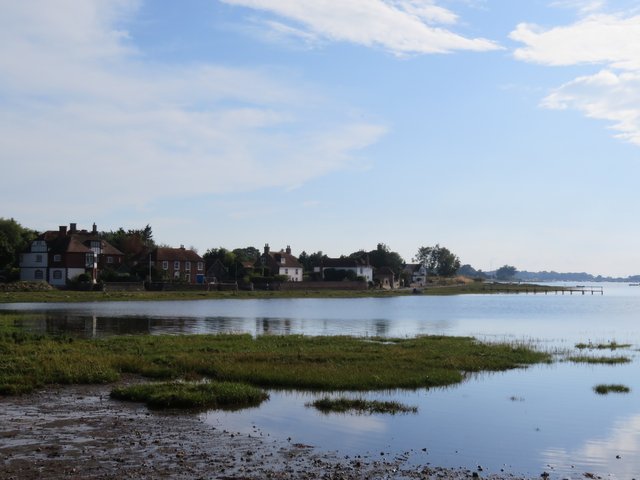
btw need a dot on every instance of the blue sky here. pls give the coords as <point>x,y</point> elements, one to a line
<point>507,131</point>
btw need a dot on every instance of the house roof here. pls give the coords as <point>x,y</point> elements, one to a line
<point>76,242</point>
<point>280,259</point>
<point>176,254</point>
<point>344,263</point>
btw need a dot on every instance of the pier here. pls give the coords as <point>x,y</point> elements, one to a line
<point>542,289</point>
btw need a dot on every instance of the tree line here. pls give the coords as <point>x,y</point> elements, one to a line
<point>136,244</point>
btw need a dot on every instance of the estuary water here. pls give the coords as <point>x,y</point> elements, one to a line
<point>545,418</point>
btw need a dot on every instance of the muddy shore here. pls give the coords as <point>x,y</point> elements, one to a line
<point>80,433</point>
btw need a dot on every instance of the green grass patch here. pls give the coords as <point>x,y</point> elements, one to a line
<point>192,395</point>
<point>599,360</point>
<point>613,345</point>
<point>360,406</point>
<point>612,388</point>
<point>332,363</point>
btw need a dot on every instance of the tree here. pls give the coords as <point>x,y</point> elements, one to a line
<point>311,260</point>
<point>438,260</point>
<point>14,238</point>
<point>382,256</point>
<point>506,272</point>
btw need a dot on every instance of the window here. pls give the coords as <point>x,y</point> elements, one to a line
<point>187,278</point>
<point>38,258</point>
<point>296,271</point>
<point>200,266</point>
<point>176,265</point>
<point>187,266</point>
<point>109,259</point>
<point>176,274</point>
<point>57,258</point>
<point>165,265</point>
<point>88,260</point>
<point>286,271</point>
<point>39,275</point>
<point>57,275</point>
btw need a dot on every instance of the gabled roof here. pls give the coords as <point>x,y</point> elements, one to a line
<point>344,263</point>
<point>280,259</point>
<point>76,242</point>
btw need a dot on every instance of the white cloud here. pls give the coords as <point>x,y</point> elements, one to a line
<point>402,27</point>
<point>604,96</point>
<point>85,120</point>
<point>596,39</point>
<point>610,40</point>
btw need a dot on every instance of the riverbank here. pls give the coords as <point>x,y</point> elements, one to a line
<point>443,288</point>
<point>79,432</point>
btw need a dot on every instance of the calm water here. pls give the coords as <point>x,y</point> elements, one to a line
<point>545,418</point>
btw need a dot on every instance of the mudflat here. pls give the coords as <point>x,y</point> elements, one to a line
<point>79,432</point>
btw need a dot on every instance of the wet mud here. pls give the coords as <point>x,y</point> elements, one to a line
<point>80,433</point>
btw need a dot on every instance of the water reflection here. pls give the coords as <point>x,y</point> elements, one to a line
<point>616,454</point>
<point>525,421</point>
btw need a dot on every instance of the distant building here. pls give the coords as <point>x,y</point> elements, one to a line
<point>360,267</point>
<point>59,256</point>
<point>178,264</point>
<point>417,273</point>
<point>280,263</point>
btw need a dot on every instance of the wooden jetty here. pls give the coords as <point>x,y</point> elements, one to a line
<point>535,289</point>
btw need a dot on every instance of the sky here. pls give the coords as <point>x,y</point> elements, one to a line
<point>507,131</point>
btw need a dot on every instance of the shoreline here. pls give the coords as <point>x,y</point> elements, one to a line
<point>79,432</point>
<point>74,296</point>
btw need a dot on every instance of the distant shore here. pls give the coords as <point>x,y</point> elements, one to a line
<point>441,288</point>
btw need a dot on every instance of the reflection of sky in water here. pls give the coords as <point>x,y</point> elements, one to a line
<point>545,418</point>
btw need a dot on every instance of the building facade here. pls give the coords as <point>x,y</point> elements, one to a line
<point>58,257</point>
<point>281,263</point>
<point>179,265</point>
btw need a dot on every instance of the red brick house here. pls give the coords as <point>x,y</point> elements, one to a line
<point>179,264</point>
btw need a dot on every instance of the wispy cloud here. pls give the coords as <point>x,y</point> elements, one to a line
<point>86,120</point>
<point>403,27</point>
<point>611,42</point>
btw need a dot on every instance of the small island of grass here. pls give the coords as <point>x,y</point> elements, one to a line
<point>612,388</point>
<point>360,406</point>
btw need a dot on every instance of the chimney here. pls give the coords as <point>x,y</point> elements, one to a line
<point>288,250</point>
<point>181,247</point>
<point>73,227</point>
<point>266,249</point>
<point>95,228</point>
<point>62,230</point>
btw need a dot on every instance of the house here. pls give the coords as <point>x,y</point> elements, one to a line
<point>178,264</point>
<point>63,255</point>
<point>360,267</point>
<point>417,272</point>
<point>280,263</point>
<point>385,277</point>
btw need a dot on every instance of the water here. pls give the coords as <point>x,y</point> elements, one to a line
<point>544,418</point>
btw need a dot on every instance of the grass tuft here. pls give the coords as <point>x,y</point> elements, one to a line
<point>612,388</point>
<point>360,406</point>
<point>613,345</point>
<point>190,395</point>
<point>599,360</point>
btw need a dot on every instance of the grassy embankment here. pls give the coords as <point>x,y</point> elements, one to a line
<point>29,362</point>
<point>455,286</point>
<point>613,388</point>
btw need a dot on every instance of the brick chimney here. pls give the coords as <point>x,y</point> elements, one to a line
<point>62,230</point>
<point>73,227</point>
<point>288,250</point>
<point>95,228</point>
<point>266,249</point>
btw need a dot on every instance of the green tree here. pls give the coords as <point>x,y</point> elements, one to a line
<point>438,260</point>
<point>506,272</point>
<point>311,260</point>
<point>382,256</point>
<point>14,238</point>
